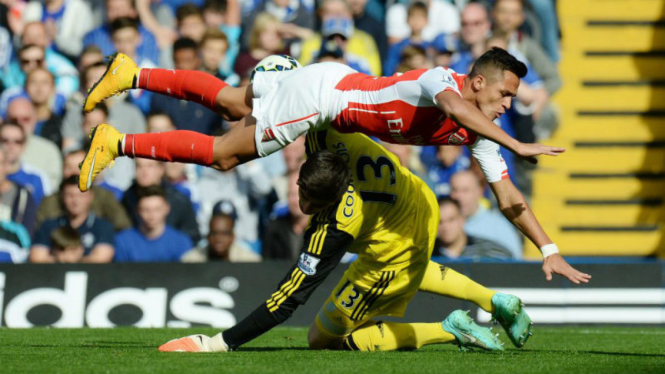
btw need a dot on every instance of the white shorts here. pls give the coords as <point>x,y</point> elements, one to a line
<point>288,104</point>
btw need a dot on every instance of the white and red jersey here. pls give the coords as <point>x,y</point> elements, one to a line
<point>398,109</point>
<point>401,108</point>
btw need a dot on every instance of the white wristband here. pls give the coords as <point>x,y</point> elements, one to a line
<point>549,249</point>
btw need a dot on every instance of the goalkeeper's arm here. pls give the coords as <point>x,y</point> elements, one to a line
<point>323,248</point>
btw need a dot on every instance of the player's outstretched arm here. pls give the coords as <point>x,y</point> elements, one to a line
<point>468,116</point>
<point>515,208</point>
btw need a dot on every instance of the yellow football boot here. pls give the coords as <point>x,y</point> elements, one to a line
<point>104,148</point>
<point>117,78</point>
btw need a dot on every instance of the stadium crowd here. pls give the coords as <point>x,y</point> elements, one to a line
<point>53,51</point>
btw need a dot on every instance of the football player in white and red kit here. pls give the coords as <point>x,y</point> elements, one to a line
<point>425,107</point>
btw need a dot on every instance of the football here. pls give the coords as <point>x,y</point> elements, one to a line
<point>276,63</point>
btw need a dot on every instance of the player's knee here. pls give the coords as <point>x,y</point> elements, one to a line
<point>223,159</point>
<point>317,341</point>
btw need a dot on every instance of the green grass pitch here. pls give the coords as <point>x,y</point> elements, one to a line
<point>284,350</point>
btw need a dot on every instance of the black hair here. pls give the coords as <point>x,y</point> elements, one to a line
<point>184,43</point>
<point>187,10</point>
<point>124,22</point>
<point>497,59</point>
<point>150,191</point>
<point>417,6</point>
<point>69,181</point>
<point>215,6</point>
<point>447,200</point>
<point>65,237</point>
<point>324,176</point>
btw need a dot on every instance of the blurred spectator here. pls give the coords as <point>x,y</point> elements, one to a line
<point>175,172</point>
<point>190,22</point>
<point>213,49</point>
<point>187,115</point>
<point>96,233</point>
<point>295,20</point>
<point>476,26</point>
<point>222,245</point>
<point>482,222</point>
<point>126,117</point>
<point>152,240</point>
<point>101,36</point>
<point>413,57</point>
<point>284,237</point>
<point>40,89</point>
<point>293,156</point>
<point>49,106</point>
<point>37,151</point>
<point>31,57</point>
<point>104,205</point>
<point>442,162</point>
<point>417,21</point>
<point>23,174</point>
<point>66,245</point>
<point>508,16</point>
<point>442,49</point>
<point>15,9</point>
<point>407,155</point>
<point>264,40</point>
<point>6,48</point>
<point>224,15</point>
<point>91,55</point>
<point>63,70</point>
<point>365,22</point>
<point>14,243</point>
<point>360,50</point>
<point>443,18</point>
<point>331,52</point>
<point>66,21</point>
<point>549,27</point>
<point>16,202</point>
<point>245,186</point>
<point>180,215</point>
<point>126,39</point>
<point>453,242</point>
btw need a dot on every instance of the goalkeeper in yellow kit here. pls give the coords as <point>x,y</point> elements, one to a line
<point>362,201</point>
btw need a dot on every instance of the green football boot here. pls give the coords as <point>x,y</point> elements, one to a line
<point>509,312</point>
<point>469,334</point>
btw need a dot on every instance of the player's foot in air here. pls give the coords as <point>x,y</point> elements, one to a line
<point>195,343</point>
<point>104,148</point>
<point>509,312</point>
<point>118,77</point>
<point>469,334</point>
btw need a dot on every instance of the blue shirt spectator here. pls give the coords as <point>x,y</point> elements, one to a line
<point>65,73</point>
<point>395,54</point>
<point>133,246</point>
<point>442,163</point>
<point>101,37</point>
<point>94,231</point>
<point>33,180</point>
<point>14,243</point>
<point>152,240</point>
<point>9,95</point>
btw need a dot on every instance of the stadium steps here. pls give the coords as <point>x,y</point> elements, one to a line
<point>605,195</point>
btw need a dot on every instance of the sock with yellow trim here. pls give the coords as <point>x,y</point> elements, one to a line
<point>391,336</point>
<point>442,280</point>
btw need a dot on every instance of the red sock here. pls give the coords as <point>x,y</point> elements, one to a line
<point>190,85</point>
<point>175,146</point>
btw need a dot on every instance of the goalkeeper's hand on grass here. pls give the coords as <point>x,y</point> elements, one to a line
<point>196,343</point>
<point>555,264</point>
